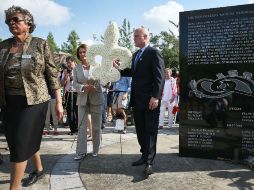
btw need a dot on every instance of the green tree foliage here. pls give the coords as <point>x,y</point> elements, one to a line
<point>72,44</point>
<point>126,33</point>
<point>168,44</point>
<point>52,43</point>
<point>1,39</point>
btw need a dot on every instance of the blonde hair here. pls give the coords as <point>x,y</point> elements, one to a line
<point>168,69</point>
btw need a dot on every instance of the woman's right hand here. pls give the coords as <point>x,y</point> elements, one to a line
<point>59,106</point>
<point>88,87</point>
<point>59,110</point>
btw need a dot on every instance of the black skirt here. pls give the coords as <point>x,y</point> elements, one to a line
<point>23,127</point>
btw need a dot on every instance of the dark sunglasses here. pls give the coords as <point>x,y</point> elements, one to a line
<point>13,19</point>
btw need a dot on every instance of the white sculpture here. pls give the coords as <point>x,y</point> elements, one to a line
<point>109,51</point>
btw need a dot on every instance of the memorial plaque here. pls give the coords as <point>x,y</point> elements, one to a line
<point>217,82</point>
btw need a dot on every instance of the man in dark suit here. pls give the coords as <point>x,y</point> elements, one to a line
<point>146,90</point>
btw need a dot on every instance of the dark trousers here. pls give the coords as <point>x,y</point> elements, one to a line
<point>72,110</point>
<point>104,110</point>
<point>146,123</point>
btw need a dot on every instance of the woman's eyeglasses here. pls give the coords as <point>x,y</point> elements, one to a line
<point>14,19</point>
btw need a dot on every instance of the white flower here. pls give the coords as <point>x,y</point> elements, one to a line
<point>108,51</point>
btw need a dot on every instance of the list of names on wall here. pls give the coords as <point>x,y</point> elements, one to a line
<point>194,115</point>
<point>221,39</point>
<point>248,117</point>
<point>248,139</point>
<point>201,138</point>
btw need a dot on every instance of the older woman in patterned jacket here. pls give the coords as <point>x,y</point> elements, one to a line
<point>27,75</point>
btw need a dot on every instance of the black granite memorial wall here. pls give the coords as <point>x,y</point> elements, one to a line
<point>217,82</point>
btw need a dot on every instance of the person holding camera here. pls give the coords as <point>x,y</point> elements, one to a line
<point>70,95</point>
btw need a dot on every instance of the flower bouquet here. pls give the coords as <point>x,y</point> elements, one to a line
<point>175,110</point>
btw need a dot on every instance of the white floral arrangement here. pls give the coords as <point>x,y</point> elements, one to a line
<point>109,51</point>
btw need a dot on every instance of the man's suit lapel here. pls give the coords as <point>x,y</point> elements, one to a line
<point>140,59</point>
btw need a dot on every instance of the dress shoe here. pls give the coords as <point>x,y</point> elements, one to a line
<point>139,162</point>
<point>148,170</point>
<point>124,131</point>
<point>79,157</point>
<point>32,178</point>
<point>95,154</point>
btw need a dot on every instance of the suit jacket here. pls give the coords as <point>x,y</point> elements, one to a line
<point>94,97</point>
<point>38,70</point>
<point>147,79</point>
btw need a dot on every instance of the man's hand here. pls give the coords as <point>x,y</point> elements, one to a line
<point>153,104</point>
<point>116,63</point>
<point>125,96</point>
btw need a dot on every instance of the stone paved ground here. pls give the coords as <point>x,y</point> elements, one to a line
<point>112,169</point>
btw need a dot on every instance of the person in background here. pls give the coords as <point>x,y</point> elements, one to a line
<point>104,105</point>
<point>89,101</point>
<point>121,89</point>
<point>29,74</point>
<point>147,72</point>
<point>61,122</point>
<point>109,103</point>
<point>70,95</point>
<point>169,99</point>
<point>177,78</point>
<point>89,128</point>
<point>51,112</point>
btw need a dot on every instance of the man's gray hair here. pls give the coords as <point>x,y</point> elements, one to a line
<point>144,30</point>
